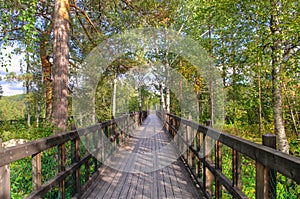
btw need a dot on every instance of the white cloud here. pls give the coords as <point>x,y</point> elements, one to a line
<point>11,88</point>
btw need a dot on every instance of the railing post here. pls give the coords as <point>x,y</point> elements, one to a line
<point>126,127</point>
<point>77,158</point>
<point>140,117</point>
<point>136,116</point>
<point>236,169</point>
<point>4,179</point>
<point>189,140</point>
<point>87,167</point>
<point>197,147</point>
<point>36,171</point>
<point>114,134</point>
<point>95,140</point>
<point>218,163</point>
<point>168,123</point>
<point>75,147</point>
<point>207,153</point>
<point>62,160</point>
<point>265,177</point>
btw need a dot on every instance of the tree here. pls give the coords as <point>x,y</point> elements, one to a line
<point>276,62</point>
<point>61,65</point>
<point>1,91</point>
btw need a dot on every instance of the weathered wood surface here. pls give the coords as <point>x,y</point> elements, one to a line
<point>146,166</point>
<point>285,164</point>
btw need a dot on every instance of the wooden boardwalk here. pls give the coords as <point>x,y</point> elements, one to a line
<point>146,166</point>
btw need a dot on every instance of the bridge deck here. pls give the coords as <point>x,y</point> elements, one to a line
<point>146,166</point>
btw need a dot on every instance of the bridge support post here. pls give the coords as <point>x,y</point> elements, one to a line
<point>75,148</point>
<point>265,177</point>
<point>36,171</point>
<point>218,163</point>
<point>236,169</point>
<point>208,176</point>
<point>62,168</point>
<point>4,179</point>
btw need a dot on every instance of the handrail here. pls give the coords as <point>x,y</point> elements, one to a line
<point>267,159</point>
<point>35,148</point>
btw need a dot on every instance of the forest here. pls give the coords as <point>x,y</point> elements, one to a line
<point>253,46</point>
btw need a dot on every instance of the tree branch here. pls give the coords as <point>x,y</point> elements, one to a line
<point>87,17</point>
<point>84,29</point>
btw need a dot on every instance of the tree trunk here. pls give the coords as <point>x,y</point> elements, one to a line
<point>168,97</point>
<point>211,91</point>
<point>260,122</point>
<point>140,97</point>
<point>39,103</point>
<point>38,111</point>
<point>27,84</point>
<point>28,104</point>
<point>46,66</point>
<point>114,97</point>
<point>61,64</point>
<point>162,99</point>
<point>277,56</point>
<point>180,91</point>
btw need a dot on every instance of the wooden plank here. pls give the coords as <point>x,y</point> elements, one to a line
<point>155,184</point>
<point>98,183</point>
<point>265,177</point>
<point>4,179</point>
<point>135,177</point>
<point>36,171</point>
<point>62,164</point>
<point>260,189</point>
<point>112,185</point>
<point>87,185</point>
<point>236,169</point>
<point>147,162</point>
<point>121,191</point>
<point>12,154</point>
<point>77,159</point>
<point>175,184</point>
<point>218,163</point>
<point>165,191</point>
<point>160,188</point>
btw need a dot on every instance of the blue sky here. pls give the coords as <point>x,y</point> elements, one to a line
<point>11,88</point>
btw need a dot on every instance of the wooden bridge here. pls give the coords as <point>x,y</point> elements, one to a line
<point>159,156</point>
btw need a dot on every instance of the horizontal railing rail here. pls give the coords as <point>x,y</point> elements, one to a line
<point>71,157</point>
<point>204,158</point>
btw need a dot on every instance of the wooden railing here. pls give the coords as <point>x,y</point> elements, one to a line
<point>210,151</point>
<point>74,165</point>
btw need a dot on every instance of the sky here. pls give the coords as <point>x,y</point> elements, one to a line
<point>11,88</point>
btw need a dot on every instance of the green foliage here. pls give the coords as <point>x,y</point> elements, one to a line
<point>133,104</point>
<point>21,174</point>
<point>239,39</point>
<point>295,146</point>
<point>21,178</point>
<point>12,107</point>
<point>22,131</point>
<point>286,188</point>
